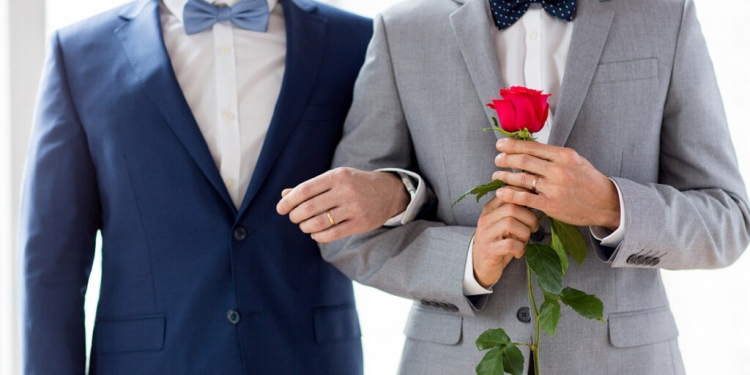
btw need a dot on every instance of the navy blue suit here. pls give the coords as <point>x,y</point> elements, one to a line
<point>190,285</point>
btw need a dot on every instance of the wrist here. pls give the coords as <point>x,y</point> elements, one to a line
<point>401,198</point>
<point>612,213</point>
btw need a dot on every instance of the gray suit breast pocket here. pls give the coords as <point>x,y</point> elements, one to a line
<point>433,326</point>
<point>626,71</point>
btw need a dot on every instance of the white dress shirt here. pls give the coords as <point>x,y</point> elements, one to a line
<point>231,79</point>
<point>532,52</point>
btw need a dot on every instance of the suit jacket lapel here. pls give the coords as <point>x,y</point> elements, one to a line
<point>306,41</point>
<point>473,30</point>
<point>592,24</point>
<point>141,37</point>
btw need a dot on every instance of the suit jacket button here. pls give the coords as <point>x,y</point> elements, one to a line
<point>524,315</point>
<point>640,260</point>
<point>632,259</point>
<point>233,316</point>
<point>240,234</point>
<point>538,236</point>
<point>655,261</point>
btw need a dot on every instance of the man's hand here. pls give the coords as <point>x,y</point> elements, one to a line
<point>568,187</point>
<point>503,230</point>
<point>357,201</point>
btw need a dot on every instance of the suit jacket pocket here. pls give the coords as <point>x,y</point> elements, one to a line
<point>433,326</point>
<point>336,323</point>
<point>131,334</point>
<point>636,328</point>
<point>626,70</point>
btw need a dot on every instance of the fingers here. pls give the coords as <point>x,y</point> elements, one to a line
<point>523,216</point>
<point>285,192</point>
<point>521,197</point>
<point>536,149</point>
<point>491,259</point>
<point>525,162</point>
<point>322,222</point>
<point>337,232</point>
<point>524,180</point>
<point>303,192</point>
<point>316,206</point>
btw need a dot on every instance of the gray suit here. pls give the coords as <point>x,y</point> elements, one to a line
<point>639,100</point>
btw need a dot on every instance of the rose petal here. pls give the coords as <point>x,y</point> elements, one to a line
<point>525,111</point>
<point>506,114</point>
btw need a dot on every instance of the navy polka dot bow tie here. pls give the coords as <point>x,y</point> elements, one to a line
<point>507,12</point>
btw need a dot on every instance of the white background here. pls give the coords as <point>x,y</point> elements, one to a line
<point>711,307</point>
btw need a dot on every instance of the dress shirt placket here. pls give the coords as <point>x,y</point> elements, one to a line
<point>535,54</point>
<point>227,109</point>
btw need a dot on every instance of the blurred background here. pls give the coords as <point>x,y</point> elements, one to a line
<point>711,307</point>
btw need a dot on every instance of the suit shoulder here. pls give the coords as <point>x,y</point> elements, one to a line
<point>340,16</point>
<point>94,26</point>
<point>416,12</point>
<point>347,28</point>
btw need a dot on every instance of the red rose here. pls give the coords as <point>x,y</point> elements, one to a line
<point>521,108</point>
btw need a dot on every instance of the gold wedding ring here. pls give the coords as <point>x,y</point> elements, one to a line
<point>330,218</point>
<point>533,183</point>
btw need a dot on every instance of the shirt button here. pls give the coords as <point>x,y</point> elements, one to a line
<point>240,234</point>
<point>233,316</point>
<point>229,116</point>
<point>229,183</point>
<point>225,50</point>
<point>533,35</point>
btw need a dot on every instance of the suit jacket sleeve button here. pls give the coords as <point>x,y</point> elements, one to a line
<point>632,259</point>
<point>240,234</point>
<point>452,308</point>
<point>233,316</point>
<point>524,315</point>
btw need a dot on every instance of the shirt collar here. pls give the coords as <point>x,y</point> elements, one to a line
<point>176,6</point>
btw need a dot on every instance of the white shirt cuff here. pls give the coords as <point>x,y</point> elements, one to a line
<point>417,201</point>
<point>607,237</point>
<point>471,285</point>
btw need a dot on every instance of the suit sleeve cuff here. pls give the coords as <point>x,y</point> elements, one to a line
<point>471,285</point>
<point>418,200</point>
<point>605,236</point>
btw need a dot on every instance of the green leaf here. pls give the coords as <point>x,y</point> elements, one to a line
<point>586,305</point>
<point>570,238</point>
<point>512,359</point>
<point>545,264</point>
<point>492,338</point>
<point>503,355</point>
<point>549,316</point>
<point>492,363</point>
<point>557,245</point>
<point>480,191</point>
